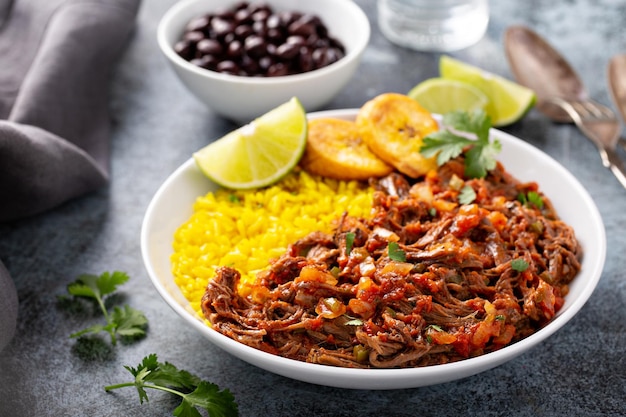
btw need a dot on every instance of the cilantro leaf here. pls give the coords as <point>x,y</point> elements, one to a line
<point>349,242</point>
<point>395,253</point>
<point>445,145</point>
<point>354,322</point>
<point>125,322</point>
<point>535,199</point>
<point>129,322</point>
<point>468,133</point>
<point>96,287</point>
<point>519,265</point>
<point>481,158</point>
<point>207,396</point>
<point>467,195</point>
<point>194,392</point>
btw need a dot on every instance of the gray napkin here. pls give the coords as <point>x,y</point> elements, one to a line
<point>56,59</point>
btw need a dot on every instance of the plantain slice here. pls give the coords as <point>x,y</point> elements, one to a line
<point>335,149</point>
<point>393,126</point>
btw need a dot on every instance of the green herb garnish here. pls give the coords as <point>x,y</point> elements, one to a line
<point>464,132</point>
<point>349,242</point>
<point>122,321</point>
<point>195,393</point>
<point>467,195</point>
<point>519,265</point>
<point>435,327</point>
<point>532,198</point>
<point>354,322</point>
<point>395,253</point>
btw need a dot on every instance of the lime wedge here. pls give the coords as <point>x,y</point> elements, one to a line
<point>259,153</point>
<point>443,95</point>
<point>508,101</point>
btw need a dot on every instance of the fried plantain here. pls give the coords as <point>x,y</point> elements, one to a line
<point>393,126</point>
<point>335,149</point>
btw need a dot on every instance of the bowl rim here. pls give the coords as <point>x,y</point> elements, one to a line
<point>384,379</point>
<point>164,26</point>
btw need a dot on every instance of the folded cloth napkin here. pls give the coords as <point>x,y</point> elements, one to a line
<point>56,57</point>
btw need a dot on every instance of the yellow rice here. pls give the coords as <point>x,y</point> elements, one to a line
<point>245,229</point>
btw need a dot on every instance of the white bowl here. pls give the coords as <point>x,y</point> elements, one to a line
<point>241,98</point>
<point>172,205</point>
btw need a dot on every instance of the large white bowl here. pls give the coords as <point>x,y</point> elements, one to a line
<point>172,205</point>
<point>245,98</point>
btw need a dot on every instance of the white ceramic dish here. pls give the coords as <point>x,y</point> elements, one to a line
<point>244,98</point>
<point>172,205</point>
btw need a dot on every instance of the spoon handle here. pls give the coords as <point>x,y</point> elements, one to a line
<point>616,165</point>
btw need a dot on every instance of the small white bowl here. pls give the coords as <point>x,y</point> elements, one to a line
<point>242,98</point>
<point>173,203</point>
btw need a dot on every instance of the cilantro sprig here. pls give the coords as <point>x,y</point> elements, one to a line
<point>195,393</point>
<point>519,265</point>
<point>122,321</point>
<point>464,132</point>
<point>532,198</point>
<point>395,252</point>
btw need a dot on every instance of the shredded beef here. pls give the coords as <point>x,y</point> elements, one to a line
<point>463,280</point>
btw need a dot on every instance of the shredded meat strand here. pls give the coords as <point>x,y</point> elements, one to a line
<point>474,278</point>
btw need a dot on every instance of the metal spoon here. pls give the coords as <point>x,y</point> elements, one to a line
<point>561,95</point>
<point>538,66</point>
<point>617,84</point>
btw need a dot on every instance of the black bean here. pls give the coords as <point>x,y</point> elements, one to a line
<point>221,26</point>
<point>274,35</point>
<point>255,46</point>
<point>273,21</point>
<point>199,23</point>
<point>185,49</point>
<point>209,47</point>
<point>194,36</point>
<point>287,51</point>
<point>277,70</point>
<point>235,49</point>
<point>265,62</point>
<point>243,16</point>
<point>243,31</point>
<point>227,67</point>
<point>302,28</point>
<point>305,60</point>
<point>249,65</point>
<point>296,40</point>
<point>249,39</point>
<point>260,15</point>
<point>206,61</point>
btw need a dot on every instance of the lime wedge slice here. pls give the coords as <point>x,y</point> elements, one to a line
<point>443,95</point>
<point>508,101</point>
<point>257,154</point>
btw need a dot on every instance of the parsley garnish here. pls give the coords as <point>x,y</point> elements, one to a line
<point>464,132</point>
<point>531,198</point>
<point>195,393</point>
<point>395,253</point>
<point>122,321</point>
<point>349,242</point>
<point>354,322</point>
<point>519,265</point>
<point>467,195</point>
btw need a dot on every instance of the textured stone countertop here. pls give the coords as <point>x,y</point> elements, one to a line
<point>580,370</point>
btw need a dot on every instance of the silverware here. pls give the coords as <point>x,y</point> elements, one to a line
<point>561,94</point>
<point>601,126</point>
<point>617,84</point>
